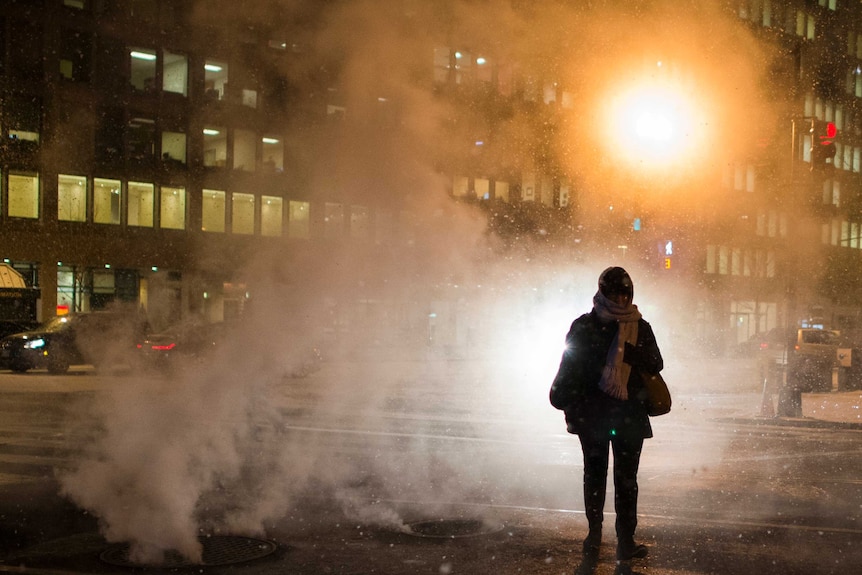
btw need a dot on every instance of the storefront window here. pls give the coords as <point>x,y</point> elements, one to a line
<point>213,211</point>
<point>23,196</point>
<point>107,201</point>
<point>172,212</point>
<point>71,198</point>
<point>141,201</point>
<point>242,213</point>
<point>271,215</point>
<point>298,220</point>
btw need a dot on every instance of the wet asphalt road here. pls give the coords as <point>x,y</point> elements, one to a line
<point>722,490</point>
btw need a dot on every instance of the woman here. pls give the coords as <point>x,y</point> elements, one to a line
<point>600,388</point>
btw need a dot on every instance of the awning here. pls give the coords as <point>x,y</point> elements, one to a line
<point>10,278</point>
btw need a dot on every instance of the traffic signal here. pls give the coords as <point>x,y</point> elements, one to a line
<point>822,144</point>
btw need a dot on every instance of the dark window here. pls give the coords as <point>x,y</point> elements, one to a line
<point>75,55</point>
<point>141,138</point>
<point>2,44</point>
<point>25,50</point>
<point>109,135</point>
<point>22,119</point>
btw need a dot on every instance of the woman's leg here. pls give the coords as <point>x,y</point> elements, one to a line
<point>627,453</point>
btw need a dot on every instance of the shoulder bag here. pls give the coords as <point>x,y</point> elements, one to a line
<point>658,396</point>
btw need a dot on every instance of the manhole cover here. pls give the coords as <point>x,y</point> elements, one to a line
<point>453,528</point>
<point>217,550</point>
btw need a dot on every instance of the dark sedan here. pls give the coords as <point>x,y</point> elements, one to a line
<point>95,338</point>
<point>184,342</point>
<point>188,343</point>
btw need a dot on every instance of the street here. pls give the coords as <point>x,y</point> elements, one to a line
<point>347,459</point>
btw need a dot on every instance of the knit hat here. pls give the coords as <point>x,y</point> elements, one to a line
<point>616,281</point>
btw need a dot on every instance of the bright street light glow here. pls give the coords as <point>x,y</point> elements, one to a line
<point>654,125</point>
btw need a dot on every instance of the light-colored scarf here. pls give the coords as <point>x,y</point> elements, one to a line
<point>615,375</point>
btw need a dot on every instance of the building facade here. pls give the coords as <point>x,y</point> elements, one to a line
<point>152,148</point>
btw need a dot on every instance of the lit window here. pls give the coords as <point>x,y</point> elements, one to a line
<point>141,198</point>
<point>71,198</point>
<point>107,201</point>
<point>482,186</point>
<point>501,191</point>
<point>249,98</point>
<point>172,208</point>
<point>215,146</point>
<point>244,150</point>
<point>333,220</point>
<point>271,216</point>
<point>463,67</point>
<point>213,211</point>
<point>273,153</point>
<point>298,220</point>
<point>460,186</point>
<point>142,69</point>
<point>175,73</point>
<point>173,147</point>
<point>215,79</point>
<point>442,64</point>
<point>242,213</point>
<point>359,227</point>
<point>23,199</point>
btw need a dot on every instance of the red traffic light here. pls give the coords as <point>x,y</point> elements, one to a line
<point>823,132</point>
<point>823,147</point>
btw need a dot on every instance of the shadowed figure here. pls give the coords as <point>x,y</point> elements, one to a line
<point>600,387</point>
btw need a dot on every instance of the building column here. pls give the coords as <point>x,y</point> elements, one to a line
<point>48,290</point>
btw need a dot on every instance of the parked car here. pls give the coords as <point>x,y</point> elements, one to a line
<point>807,354</point>
<point>184,342</point>
<point>96,338</point>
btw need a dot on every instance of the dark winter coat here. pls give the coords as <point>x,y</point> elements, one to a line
<point>576,386</point>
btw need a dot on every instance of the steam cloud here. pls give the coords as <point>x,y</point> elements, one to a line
<point>211,448</point>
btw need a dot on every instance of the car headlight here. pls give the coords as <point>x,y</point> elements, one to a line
<point>35,344</point>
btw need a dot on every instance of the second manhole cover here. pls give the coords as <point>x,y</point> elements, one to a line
<point>454,528</point>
